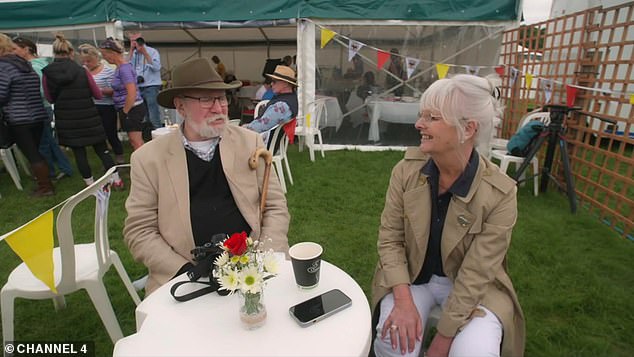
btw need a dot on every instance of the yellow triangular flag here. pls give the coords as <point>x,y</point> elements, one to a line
<point>529,80</point>
<point>442,70</point>
<point>34,244</point>
<point>326,36</point>
<point>631,98</point>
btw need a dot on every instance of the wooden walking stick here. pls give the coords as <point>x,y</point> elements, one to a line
<point>253,163</point>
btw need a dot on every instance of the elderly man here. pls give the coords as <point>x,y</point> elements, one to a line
<point>283,106</point>
<point>195,182</point>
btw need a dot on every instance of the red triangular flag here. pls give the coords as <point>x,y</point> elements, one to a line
<point>500,70</point>
<point>571,94</point>
<point>381,58</point>
<point>289,129</point>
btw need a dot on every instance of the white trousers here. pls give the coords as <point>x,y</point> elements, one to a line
<point>481,336</point>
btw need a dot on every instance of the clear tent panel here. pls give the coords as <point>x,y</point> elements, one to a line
<point>367,105</point>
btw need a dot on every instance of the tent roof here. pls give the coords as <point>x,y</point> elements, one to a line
<point>19,14</point>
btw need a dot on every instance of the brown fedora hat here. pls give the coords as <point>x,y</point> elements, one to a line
<point>284,73</point>
<point>195,74</point>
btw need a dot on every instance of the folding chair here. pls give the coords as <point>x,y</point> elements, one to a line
<point>77,266</point>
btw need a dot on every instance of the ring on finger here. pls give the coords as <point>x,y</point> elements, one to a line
<point>393,327</point>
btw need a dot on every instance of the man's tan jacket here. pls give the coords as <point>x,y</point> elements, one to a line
<point>158,226</point>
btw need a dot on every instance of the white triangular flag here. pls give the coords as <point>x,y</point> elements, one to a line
<point>547,85</point>
<point>472,69</point>
<point>411,64</point>
<point>353,49</point>
<point>514,74</point>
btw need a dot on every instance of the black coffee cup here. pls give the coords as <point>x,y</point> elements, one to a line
<point>306,260</point>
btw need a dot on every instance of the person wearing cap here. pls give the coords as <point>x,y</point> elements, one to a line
<point>146,61</point>
<point>195,182</point>
<point>126,95</point>
<point>283,106</point>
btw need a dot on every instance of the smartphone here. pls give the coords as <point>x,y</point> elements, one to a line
<point>319,307</point>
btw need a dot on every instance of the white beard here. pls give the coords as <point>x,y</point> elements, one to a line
<point>205,130</point>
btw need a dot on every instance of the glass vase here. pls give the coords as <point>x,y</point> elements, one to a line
<point>252,310</point>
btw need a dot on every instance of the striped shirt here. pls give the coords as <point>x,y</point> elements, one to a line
<point>103,79</point>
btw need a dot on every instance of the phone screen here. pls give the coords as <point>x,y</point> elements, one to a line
<point>320,306</point>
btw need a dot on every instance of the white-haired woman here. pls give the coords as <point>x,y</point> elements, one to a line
<point>445,231</point>
<point>103,75</point>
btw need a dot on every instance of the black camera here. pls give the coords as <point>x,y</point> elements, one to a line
<point>204,257</point>
<point>140,79</point>
<point>140,41</point>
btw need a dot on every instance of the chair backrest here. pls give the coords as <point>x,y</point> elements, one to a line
<point>276,140</point>
<point>317,110</point>
<point>260,105</point>
<point>101,190</point>
<point>544,117</point>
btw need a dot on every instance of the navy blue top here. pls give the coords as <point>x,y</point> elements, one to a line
<point>440,204</point>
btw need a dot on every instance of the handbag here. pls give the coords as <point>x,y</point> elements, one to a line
<point>6,139</point>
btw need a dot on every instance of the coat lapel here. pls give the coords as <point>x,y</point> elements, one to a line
<point>460,220</point>
<point>176,166</point>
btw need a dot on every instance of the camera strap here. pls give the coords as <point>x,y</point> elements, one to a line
<point>211,286</point>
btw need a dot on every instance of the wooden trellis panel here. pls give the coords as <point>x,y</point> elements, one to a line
<point>594,49</point>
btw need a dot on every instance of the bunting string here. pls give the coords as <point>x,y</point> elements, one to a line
<point>442,68</point>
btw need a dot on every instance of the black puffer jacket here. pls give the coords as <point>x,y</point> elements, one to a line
<point>20,98</point>
<point>76,118</point>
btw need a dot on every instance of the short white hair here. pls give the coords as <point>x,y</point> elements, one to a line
<point>469,97</point>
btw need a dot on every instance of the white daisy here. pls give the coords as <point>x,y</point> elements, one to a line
<point>229,279</point>
<point>222,259</point>
<point>250,280</point>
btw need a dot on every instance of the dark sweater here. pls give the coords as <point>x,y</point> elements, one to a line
<point>212,207</point>
<point>76,118</point>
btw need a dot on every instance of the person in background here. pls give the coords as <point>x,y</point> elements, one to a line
<point>357,68</point>
<point>195,182</point>
<point>396,68</point>
<point>23,111</point>
<point>125,94</point>
<point>287,61</point>
<point>368,87</point>
<point>91,58</point>
<point>283,106</point>
<point>49,148</point>
<point>146,61</point>
<point>220,67</point>
<point>265,92</point>
<point>445,232</point>
<point>71,88</point>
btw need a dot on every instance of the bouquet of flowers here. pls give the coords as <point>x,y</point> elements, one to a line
<point>245,268</point>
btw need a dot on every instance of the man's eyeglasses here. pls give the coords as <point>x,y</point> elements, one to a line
<point>429,117</point>
<point>208,102</point>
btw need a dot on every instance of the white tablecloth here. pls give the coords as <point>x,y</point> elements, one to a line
<point>210,325</point>
<point>392,112</point>
<point>332,115</point>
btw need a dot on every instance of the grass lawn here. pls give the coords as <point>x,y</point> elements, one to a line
<point>572,273</point>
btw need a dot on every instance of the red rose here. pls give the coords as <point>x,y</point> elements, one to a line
<point>237,243</point>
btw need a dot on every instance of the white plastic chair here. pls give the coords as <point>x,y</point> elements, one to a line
<point>307,133</point>
<point>258,107</point>
<point>9,163</point>
<point>77,266</point>
<point>506,158</point>
<point>279,154</point>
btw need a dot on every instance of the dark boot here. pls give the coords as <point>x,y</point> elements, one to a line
<point>44,184</point>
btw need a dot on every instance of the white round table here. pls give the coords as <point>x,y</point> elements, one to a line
<point>210,325</point>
